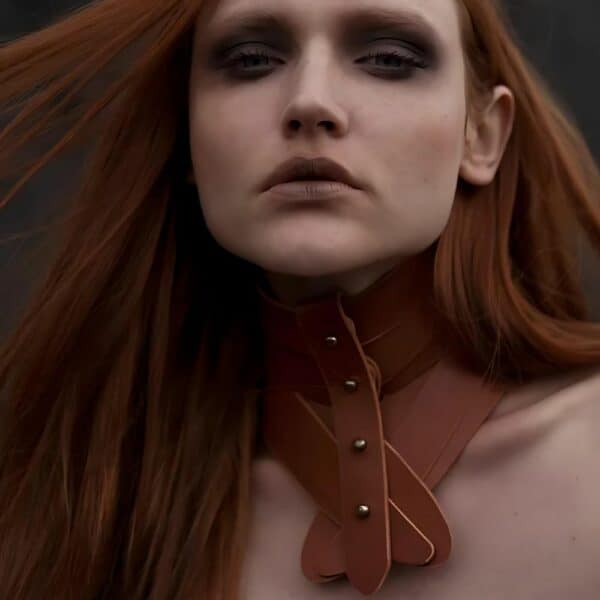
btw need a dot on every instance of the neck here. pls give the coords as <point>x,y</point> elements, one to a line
<point>294,290</point>
<point>394,320</point>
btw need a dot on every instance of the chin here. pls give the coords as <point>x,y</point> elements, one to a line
<point>310,262</point>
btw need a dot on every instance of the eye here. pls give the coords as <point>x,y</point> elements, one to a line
<point>396,64</point>
<point>247,59</point>
<point>399,61</point>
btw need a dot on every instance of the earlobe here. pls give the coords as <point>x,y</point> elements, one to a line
<point>485,141</point>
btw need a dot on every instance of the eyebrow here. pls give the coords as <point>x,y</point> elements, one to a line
<point>359,20</point>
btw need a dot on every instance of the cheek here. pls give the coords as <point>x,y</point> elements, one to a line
<point>224,140</point>
<point>438,151</point>
<point>225,134</point>
<point>430,139</point>
<point>440,139</point>
<point>421,158</point>
<point>421,149</point>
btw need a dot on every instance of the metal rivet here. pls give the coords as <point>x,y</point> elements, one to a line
<point>362,511</point>
<point>331,340</point>
<point>359,444</point>
<point>350,385</point>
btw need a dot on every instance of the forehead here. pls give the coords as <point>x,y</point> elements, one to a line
<point>439,18</point>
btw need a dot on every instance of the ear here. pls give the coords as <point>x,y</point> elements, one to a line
<point>486,139</point>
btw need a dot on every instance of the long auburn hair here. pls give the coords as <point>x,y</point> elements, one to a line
<point>131,383</point>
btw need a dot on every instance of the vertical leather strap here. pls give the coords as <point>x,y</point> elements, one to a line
<point>356,415</point>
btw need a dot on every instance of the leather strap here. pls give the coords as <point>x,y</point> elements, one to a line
<point>446,412</point>
<point>362,476</point>
<point>377,366</point>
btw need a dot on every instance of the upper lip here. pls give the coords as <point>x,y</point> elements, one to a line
<point>310,168</point>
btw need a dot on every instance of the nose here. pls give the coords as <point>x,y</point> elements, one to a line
<point>313,104</point>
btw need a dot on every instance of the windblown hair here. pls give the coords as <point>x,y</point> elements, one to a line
<point>131,383</point>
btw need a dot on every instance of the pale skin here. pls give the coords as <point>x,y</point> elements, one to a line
<point>404,131</point>
<point>521,501</point>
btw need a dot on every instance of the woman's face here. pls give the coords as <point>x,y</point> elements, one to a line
<point>396,123</point>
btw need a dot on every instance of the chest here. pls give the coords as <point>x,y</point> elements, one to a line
<point>522,504</point>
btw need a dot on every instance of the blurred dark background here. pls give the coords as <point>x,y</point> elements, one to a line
<point>560,38</point>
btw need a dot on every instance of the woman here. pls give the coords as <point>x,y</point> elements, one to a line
<point>254,388</point>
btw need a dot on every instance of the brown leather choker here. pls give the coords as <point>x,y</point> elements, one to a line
<point>369,410</point>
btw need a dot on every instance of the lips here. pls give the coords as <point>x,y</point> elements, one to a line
<point>303,169</point>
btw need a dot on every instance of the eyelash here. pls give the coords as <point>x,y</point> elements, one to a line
<point>413,62</point>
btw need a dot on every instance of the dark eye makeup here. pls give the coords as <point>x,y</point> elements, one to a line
<point>416,43</point>
<point>389,64</point>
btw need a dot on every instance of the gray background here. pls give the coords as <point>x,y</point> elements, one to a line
<point>561,38</point>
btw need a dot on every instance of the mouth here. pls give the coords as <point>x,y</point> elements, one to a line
<point>311,189</point>
<point>305,171</point>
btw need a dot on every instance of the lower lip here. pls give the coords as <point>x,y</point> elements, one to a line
<point>311,190</point>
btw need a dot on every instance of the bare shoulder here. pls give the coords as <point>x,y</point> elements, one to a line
<point>579,401</point>
<point>528,481</point>
<point>573,413</point>
<point>577,390</point>
<point>559,414</point>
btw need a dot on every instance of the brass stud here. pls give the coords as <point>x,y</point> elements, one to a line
<point>359,444</point>
<point>350,385</point>
<point>362,511</point>
<point>331,340</point>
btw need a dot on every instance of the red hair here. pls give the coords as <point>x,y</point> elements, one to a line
<point>125,442</point>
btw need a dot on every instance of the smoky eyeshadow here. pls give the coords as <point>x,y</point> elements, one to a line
<point>228,42</point>
<point>357,30</point>
<point>407,33</point>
